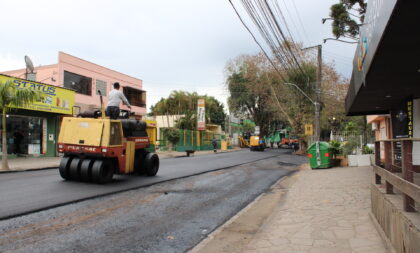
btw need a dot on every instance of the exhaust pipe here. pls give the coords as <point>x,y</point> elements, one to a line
<point>102,104</point>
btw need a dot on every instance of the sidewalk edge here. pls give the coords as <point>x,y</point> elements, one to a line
<point>27,170</point>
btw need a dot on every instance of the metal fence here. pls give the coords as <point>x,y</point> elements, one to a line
<point>191,140</point>
<point>355,140</point>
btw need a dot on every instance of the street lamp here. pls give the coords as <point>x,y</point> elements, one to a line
<point>306,95</point>
<point>350,42</point>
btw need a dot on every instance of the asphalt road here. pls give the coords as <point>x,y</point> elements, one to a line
<point>26,192</point>
<point>172,216</point>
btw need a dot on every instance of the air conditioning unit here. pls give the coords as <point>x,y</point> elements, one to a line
<point>374,126</point>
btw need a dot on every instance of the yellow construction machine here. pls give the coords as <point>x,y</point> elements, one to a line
<point>96,147</point>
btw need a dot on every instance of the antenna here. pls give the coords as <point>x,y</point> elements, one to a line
<point>29,65</point>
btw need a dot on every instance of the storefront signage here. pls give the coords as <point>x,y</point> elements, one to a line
<point>55,99</point>
<point>402,120</point>
<point>410,118</point>
<point>377,16</point>
<point>309,130</point>
<point>201,115</point>
<point>44,136</point>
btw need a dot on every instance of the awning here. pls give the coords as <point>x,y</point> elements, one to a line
<point>386,67</point>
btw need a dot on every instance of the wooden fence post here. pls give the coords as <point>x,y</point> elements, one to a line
<point>407,171</point>
<point>388,165</point>
<point>377,153</point>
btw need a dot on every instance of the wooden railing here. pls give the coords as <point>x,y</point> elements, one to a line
<point>396,161</point>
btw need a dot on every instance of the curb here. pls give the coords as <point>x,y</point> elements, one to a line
<point>27,170</point>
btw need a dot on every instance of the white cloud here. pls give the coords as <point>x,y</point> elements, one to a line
<point>10,62</point>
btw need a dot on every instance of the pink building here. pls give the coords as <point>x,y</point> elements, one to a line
<point>381,125</point>
<point>86,78</point>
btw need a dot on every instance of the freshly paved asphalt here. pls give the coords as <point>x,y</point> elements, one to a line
<point>26,192</point>
<point>171,216</point>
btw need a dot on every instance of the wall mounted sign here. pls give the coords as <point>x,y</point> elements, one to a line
<point>201,115</point>
<point>55,99</point>
<point>402,120</point>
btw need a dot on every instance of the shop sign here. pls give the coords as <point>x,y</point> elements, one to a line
<point>377,16</point>
<point>402,120</point>
<point>309,130</point>
<point>201,115</point>
<point>44,136</point>
<point>55,99</point>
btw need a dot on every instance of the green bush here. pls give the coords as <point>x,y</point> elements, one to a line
<point>366,150</point>
<point>336,147</point>
<point>172,134</point>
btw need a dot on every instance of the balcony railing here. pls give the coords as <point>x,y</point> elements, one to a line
<point>396,169</point>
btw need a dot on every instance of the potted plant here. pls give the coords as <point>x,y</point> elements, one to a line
<point>337,150</point>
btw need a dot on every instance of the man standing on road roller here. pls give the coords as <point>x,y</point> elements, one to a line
<point>114,100</point>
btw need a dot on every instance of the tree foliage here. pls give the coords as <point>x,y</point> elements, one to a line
<point>248,82</point>
<point>185,103</point>
<point>172,135</point>
<point>12,97</point>
<point>254,86</point>
<point>345,22</point>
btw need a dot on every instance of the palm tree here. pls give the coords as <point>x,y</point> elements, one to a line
<point>12,97</point>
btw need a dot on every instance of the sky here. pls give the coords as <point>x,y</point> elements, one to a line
<point>170,45</point>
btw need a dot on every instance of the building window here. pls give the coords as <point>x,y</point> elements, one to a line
<point>135,97</point>
<point>101,85</point>
<point>24,135</point>
<point>81,84</point>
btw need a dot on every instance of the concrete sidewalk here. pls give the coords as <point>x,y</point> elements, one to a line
<point>321,211</point>
<point>35,163</point>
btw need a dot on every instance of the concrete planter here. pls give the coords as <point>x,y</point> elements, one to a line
<point>360,160</point>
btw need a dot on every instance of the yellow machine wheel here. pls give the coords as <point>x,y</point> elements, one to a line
<point>86,169</point>
<point>102,171</point>
<point>64,167</point>
<point>74,169</point>
<point>151,164</point>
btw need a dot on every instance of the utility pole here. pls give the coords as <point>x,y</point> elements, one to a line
<point>317,103</point>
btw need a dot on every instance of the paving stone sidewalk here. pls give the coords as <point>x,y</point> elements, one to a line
<point>325,211</point>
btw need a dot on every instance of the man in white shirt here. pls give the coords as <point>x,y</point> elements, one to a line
<point>114,99</point>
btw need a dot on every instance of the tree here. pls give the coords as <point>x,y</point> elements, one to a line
<point>185,103</point>
<point>12,97</point>
<point>172,135</point>
<point>345,22</point>
<point>250,78</point>
<point>248,81</point>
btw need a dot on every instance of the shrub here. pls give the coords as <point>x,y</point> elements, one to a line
<point>366,150</point>
<point>172,134</point>
<point>336,147</point>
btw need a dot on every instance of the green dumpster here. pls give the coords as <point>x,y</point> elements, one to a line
<point>319,154</point>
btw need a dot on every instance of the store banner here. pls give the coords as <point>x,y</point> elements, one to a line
<point>55,99</point>
<point>402,120</point>
<point>201,115</point>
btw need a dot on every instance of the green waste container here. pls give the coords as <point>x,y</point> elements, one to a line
<point>319,154</point>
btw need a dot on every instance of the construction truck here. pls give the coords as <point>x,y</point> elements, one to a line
<point>96,147</point>
<point>256,143</point>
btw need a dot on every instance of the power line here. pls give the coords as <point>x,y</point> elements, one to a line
<point>300,21</point>
<point>293,23</point>
<point>271,32</point>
